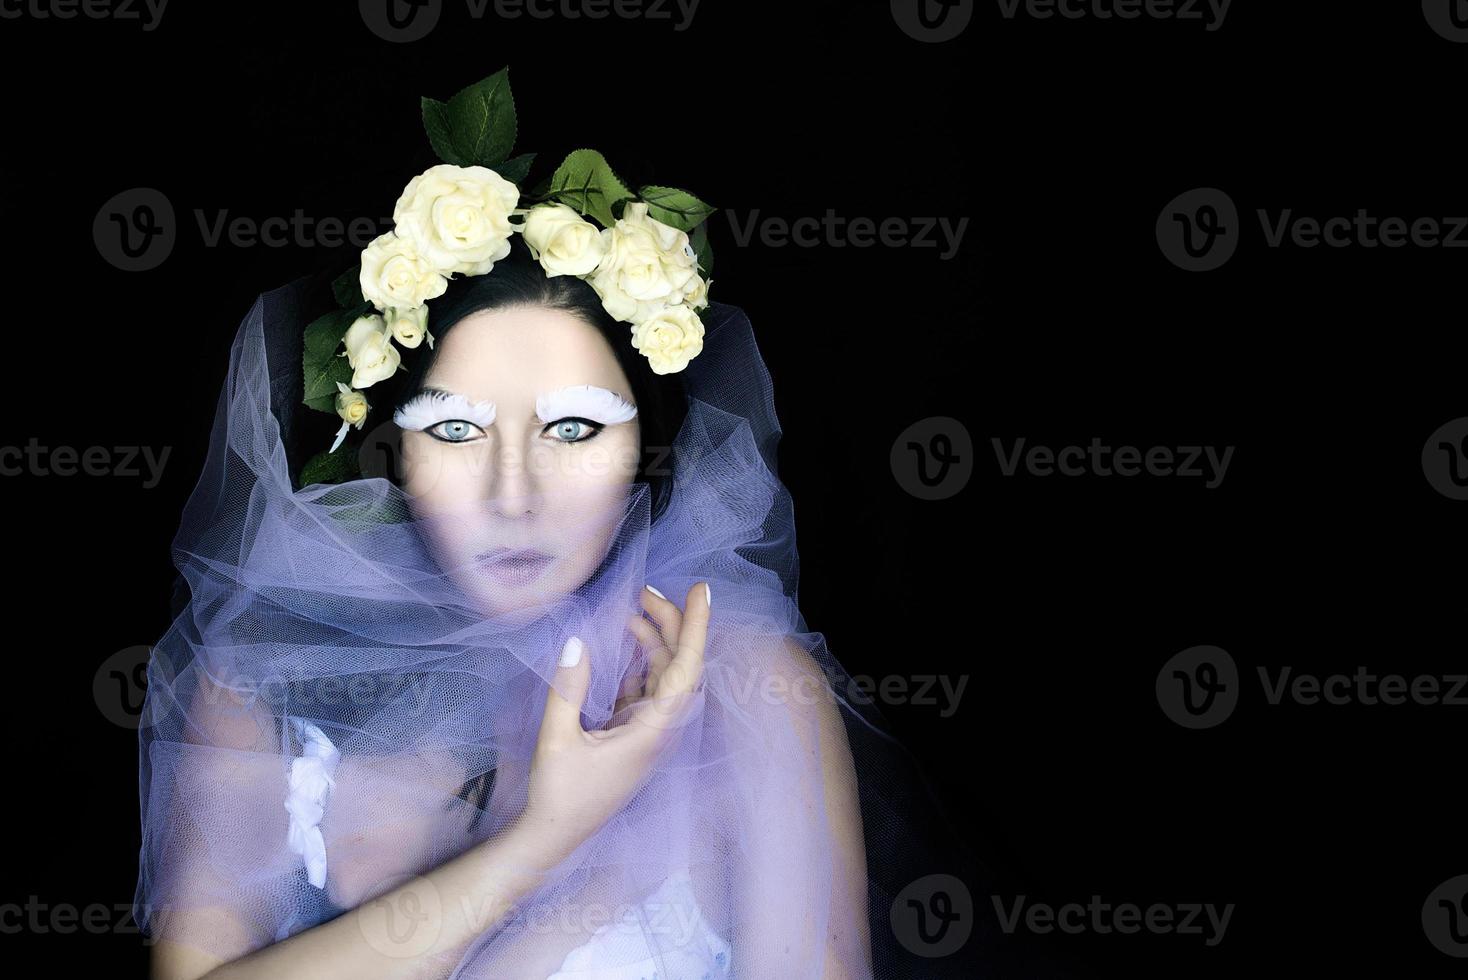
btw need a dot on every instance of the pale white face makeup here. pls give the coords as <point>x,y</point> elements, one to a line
<point>524,440</point>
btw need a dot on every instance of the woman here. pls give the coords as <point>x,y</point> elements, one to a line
<point>529,695</point>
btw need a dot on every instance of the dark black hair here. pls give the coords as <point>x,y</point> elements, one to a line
<point>519,280</point>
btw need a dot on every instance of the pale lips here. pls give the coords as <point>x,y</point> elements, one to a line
<point>514,566</point>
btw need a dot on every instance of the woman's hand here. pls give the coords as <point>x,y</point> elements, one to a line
<point>579,779</point>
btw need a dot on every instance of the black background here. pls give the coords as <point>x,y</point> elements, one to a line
<point>1059,141</point>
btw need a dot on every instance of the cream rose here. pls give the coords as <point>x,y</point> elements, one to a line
<point>458,217</point>
<point>351,405</point>
<point>409,327</point>
<point>697,296</point>
<point>370,351</point>
<point>396,275</point>
<point>564,243</point>
<point>648,266</point>
<point>669,339</point>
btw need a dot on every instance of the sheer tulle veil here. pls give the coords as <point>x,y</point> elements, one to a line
<point>329,685</point>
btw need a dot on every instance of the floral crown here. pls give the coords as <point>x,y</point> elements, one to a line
<point>642,253</point>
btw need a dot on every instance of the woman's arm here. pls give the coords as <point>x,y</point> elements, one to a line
<point>784,820</point>
<point>577,780</point>
<point>403,933</point>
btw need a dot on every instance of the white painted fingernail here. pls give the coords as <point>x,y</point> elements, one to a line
<point>656,592</point>
<point>571,652</point>
<point>708,594</point>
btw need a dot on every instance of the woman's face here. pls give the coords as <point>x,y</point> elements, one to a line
<point>519,450</point>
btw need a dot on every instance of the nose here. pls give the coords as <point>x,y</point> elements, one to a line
<point>510,484</point>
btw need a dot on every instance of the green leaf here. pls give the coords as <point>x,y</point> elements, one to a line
<point>477,126</point>
<point>337,467</point>
<point>347,287</point>
<point>515,169</point>
<point>703,249</point>
<point>586,182</point>
<point>675,207</point>
<point>440,131</point>
<point>321,368</point>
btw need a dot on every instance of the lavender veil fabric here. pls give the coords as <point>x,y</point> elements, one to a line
<point>332,685</point>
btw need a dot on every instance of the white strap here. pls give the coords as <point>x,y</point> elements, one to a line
<point>310,783</point>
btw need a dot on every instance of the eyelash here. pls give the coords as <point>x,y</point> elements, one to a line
<point>596,428</point>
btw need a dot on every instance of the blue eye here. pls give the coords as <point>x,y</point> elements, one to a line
<point>573,429</point>
<point>457,430</point>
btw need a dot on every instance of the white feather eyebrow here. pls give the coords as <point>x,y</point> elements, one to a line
<point>434,405</point>
<point>585,401</point>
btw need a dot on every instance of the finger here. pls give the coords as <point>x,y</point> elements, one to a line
<point>670,618</point>
<point>632,683</point>
<point>573,676</point>
<point>685,670</point>
<point>660,660</point>
<point>663,611</point>
<point>633,677</point>
<point>659,653</point>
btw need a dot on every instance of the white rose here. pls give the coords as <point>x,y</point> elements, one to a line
<point>565,243</point>
<point>698,295</point>
<point>648,266</point>
<point>370,351</point>
<point>351,405</point>
<point>395,274</point>
<point>669,339</point>
<point>458,217</point>
<point>409,327</point>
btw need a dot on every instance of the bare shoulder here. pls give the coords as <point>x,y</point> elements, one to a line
<point>780,678</point>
